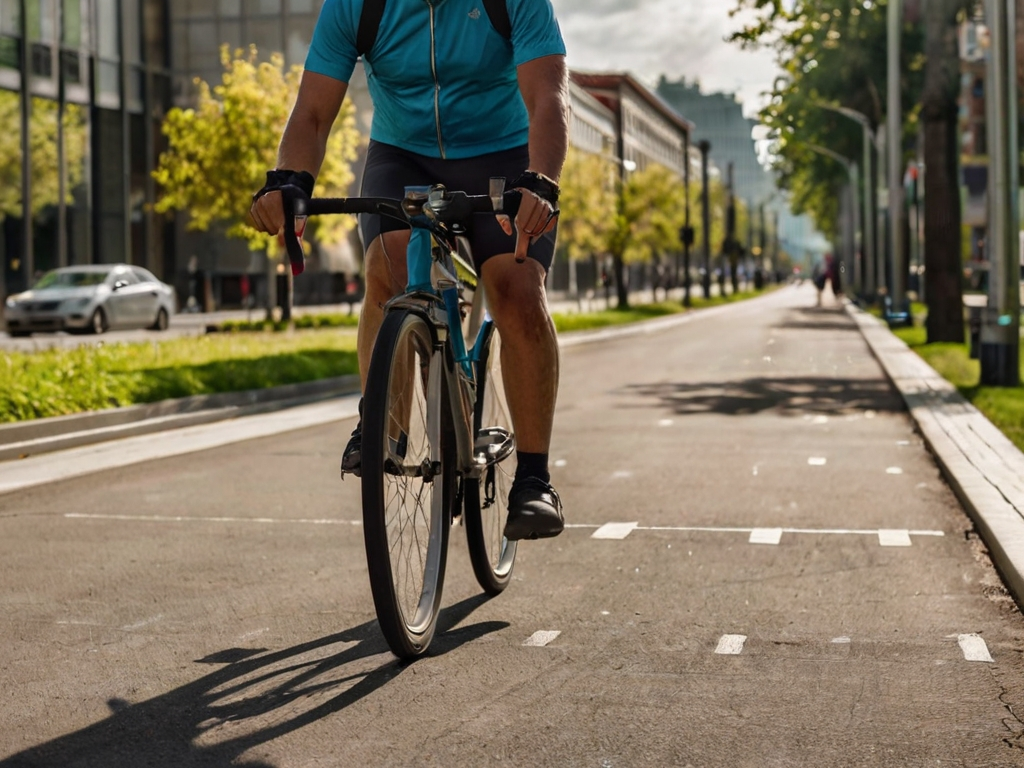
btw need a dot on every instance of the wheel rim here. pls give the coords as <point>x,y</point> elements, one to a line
<point>496,481</point>
<point>413,491</point>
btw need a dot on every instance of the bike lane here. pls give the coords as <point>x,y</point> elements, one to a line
<point>763,567</point>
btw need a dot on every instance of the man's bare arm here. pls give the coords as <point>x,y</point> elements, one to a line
<point>304,141</point>
<point>544,85</point>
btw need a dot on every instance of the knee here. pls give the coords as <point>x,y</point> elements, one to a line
<point>519,308</point>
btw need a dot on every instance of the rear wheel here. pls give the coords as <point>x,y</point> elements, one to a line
<point>98,321</point>
<point>407,481</point>
<point>491,554</point>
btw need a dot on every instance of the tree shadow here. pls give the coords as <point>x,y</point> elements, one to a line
<point>795,396</point>
<point>258,694</point>
<point>817,319</point>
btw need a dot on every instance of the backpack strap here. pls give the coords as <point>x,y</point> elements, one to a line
<point>497,10</point>
<point>369,23</point>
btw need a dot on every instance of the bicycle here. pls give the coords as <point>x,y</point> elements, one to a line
<point>437,440</point>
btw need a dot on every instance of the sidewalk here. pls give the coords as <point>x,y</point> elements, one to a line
<point>982,466</point>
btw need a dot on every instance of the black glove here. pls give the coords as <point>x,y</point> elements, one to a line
<point>283,178</point>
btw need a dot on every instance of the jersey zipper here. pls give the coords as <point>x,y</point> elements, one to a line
<point>437,84</point>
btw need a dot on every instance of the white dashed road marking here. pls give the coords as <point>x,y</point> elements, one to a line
<point>974,648</point>
<point>817,461</point>
<point>614,531</point>
<point>894,538</point>
<point>766,536</point>
<point>894,471</point>
<point>730,645</point>
<point>542,638</point>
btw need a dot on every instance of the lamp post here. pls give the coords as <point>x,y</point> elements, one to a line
<point>686,234</point>
<point>852,213</point>
<point>899,312</point>
<point>872,274</point>
<point>1000,331</point>
<point>705,147</point>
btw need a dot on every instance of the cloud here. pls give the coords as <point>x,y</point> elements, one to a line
<point>677,38</point>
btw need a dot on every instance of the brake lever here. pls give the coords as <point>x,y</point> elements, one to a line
<point>294,200</point>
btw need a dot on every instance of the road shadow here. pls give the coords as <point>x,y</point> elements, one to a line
<point>260,695</point>
<point>795,396</point>
<point>817,319</point>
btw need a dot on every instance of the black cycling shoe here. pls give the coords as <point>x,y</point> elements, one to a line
<point>351,459</point>
<point>534,510</point>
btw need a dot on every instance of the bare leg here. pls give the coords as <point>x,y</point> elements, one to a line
<point>385,269</point>
<point>529,347</point>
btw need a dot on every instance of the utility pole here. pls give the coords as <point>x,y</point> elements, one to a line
<point>686,235</point>
<point>1000,331</point>
<point>705,147</point>
<point>732,245</point>
<point>899,312</point>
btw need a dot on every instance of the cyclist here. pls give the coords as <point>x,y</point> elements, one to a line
<point>456,102</point>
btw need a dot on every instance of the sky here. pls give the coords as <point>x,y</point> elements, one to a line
<point>677,38</point>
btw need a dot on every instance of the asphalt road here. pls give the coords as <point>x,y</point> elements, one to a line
<point>796,586</point>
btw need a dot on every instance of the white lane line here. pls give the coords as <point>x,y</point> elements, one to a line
<point>893,471</point>
<point>766,536</point>
<point>143,623</point>
<point>614,531</point>
<point>817,461</point>
<point>184,519</point>
<point>974,648</point>
<point>542,637</point>
<point>841,640</point>
<point>730,645</point>
<point>621,474</point>
<point>51,467</point>
<point>665,423</point>
<point>894,538</point>
<point>809,531</point>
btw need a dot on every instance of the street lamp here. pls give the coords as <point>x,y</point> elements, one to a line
<point>705,204</point>
<point>873,272</point>
<point>900,311</point>
<point>851,172</point>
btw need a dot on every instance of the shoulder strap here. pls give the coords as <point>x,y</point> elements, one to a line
<point>497,10</point>
<point>369,22</point>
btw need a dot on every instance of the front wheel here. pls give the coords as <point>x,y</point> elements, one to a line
<point>491,554</point>
<point>162,321</point>
<point>408,483</point>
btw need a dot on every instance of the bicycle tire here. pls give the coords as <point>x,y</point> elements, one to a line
<point>408,481</point>
<point>486,499</point>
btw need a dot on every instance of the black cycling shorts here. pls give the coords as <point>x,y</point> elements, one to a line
<point>389,170</point>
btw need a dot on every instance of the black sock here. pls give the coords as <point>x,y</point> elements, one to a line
<point>532,465</point>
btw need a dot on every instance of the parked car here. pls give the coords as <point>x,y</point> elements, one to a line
<point>91,299</point>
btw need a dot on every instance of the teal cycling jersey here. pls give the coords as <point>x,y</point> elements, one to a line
<point>442,79</point>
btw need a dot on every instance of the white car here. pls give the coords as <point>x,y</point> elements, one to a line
<point>91,298</point>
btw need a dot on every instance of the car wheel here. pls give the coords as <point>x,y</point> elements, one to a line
<point>161,322</point>
<point>98,322</point>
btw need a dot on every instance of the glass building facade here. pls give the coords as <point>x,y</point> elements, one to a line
<point>84,86</point>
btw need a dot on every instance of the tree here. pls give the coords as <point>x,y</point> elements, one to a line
<point>220,150</point>
<point>831,52</point>
<point>587,202</point>
<point>942,214</point>
<point>651,211</point>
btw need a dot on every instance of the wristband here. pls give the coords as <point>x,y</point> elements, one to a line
<point>283,178</point>
<point>539,184</point>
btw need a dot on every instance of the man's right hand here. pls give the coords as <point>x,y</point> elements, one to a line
<point>267,209</point>
<point>267,213</point>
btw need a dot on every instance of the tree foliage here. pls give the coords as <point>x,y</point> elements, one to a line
<point>219,151</point>
<point>651,211</point>
<point>43,148</point>
<point>831,52</point>
<point>588,203</point>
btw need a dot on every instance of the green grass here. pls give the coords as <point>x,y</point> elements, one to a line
<point>241,356</point>
<point>1003,406</point>
<point>64,381</point>
<point>582,321</point>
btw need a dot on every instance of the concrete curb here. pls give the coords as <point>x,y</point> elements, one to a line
<point>985,469</point>
<point>54,434</point>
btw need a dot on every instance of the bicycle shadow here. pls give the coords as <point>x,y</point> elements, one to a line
<point>263,695</point>
<point>793,396</point>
